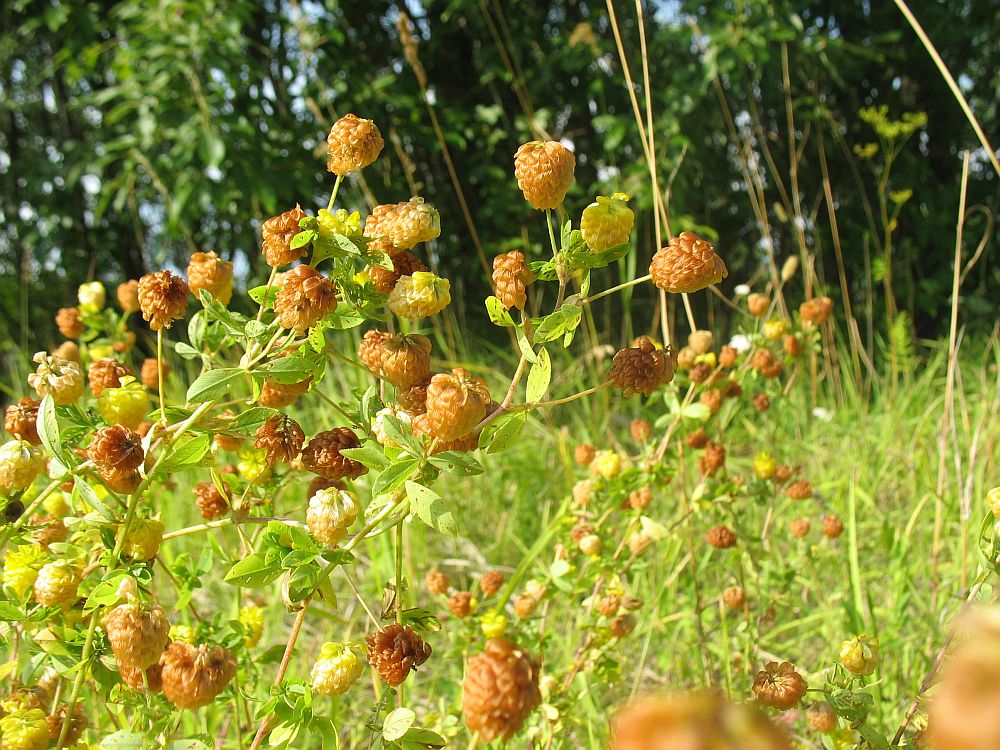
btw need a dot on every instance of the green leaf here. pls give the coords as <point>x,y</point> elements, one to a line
<point>86,494</point>
<point>123,740</point>
<point>343,318</point>
<point>498,313</point>
<point>397,723</point>
<point>303,238</point>
<point>539,377</point>
<point>418,738</point>
<point>213,384</point>
<point>264,295</point>
<point>48,427</point>
<point>431,509</point>
<point>461,464</point>
<point>105,593</point>
<point>253,572</point>
<point>557,324</point>
<point>189,450</point>
<point>247,422</point>
<point>524,345</point>
<point>369,455</point>
<point>215,310</point>
<point>186,351</point>
<point>699,412</point>
<point>502,432</point>
<point>394,475</point>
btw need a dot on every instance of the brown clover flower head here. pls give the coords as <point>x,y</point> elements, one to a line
<point>779,685</point>
<point>405,360</point>
<point>211,503</point>
<point>799,490</point>
<point>370,351</point>
<point>734,597</point>
<point>816,310</point>
<point>116,450</point>
<point>69,321</point>
<point>641,368</point>
<point>460,604</point>
<point>687,264</point>
<point>686,358</point>
<point>404,263</point>
<point>712,398</point>
<point>411,222</point>
<point>823,719</point>
<point>322,455</point>
<point>193,675</point>
<point>761,402</point>
<point>697,439</point>
<point>275,398</point>
<point>128,296</point>
<point>490,582</point>
<point>791,345</point>
<point>277,233</point>
<point>700,720</point>
<point>281,438</point>
<point>622,625</point>
<point>713,459</point>
<point>641,430</point>
<point>134,678</point>
<point>700,341</point>
<point>137,634</point>
<point>149,373</point>
<point>640,499</point>
<point>832,526</point>
<point>544,172</point>
<point>800,527</point>
<point>728,356</point>
<point>436,582</point>
<point>305,296</point>
<point>456,403</point>
<point>20,420</point>
<point>413,400</point>
<point>163,298</point>
<point>394,650</point>
<point>584,453</point>
<point>352,144</point>
<point>106,373</point>
<point>609,605</point>
<point>209,272</point>
<point>758,304</point>
<point>510,278</point>
<point>77,724</point>
<point>721,537</point>
<point>49,530</point>
<point>500,690</point>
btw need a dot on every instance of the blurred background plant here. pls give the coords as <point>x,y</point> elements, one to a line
<point>133,133</point>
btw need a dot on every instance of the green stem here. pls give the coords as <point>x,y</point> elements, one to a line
<point>336,189</point>
<point>159,375</point>
<point>81,675</point>
<point>614,289</point>
<point>560,271</point>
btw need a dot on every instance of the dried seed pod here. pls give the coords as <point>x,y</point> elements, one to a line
<point>106,373</point>
<point>721,537</point>
<point>758,304</point>
<point>799,490</point>
<point>584,453</point>
<point>641,369</point>
<point>697,439</point>
<point>209,272</point>
<point>687,264</point>
<point>352,144</point>
<point>713,459</point>
<point>700,341</point>
<point>394,650</point>
<point>436,582</point>
<point>404,263</point>
<point>712,398</point>
<point>409,223</point>
<point>163,298</point>
<point>500,690</point>
<point>608,605</point>
<point>116,449</point>
<point>211,503</point>
<point>49,530</point>
<point>281,438</point>
<point>800,527</point>
<point>544,172</point>
<point>20,420</point>
<point>405,360</point>
<point>761,402</point>
<point>728,356</point>
<point>456,403</point>
<point>622,625</point>
<point>149,374</point>
<point>323,455</point>
<point>193,675</point>
<point>641,430</point>
<point>460,604</point>
<point>640,499</point>
<point>128,296</point>
<point>138,634</point>
<point>734,597</point>
<point>817,310</point>
<point>132,677</point>
<point>69,321</point>
<point>779,685</point>
<point>305,296</point>
<point>419,295</point>
<point>413,400</point>
<point>77,724</point>
<point>510,279</point>
<point>823,719</point>
<point>491,582</point>
<point>791,345</point>
<point>277,233</point>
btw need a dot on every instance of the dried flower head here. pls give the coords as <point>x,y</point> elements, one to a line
<point>584,453</point>
<point>352,144</point>
<point>322,455</point>
<point>209,272</point>
<point>193,675</point>
<point>779,685</point>
<point>20,420</point>
<point>211,503</point>
<point>641,369</point>
<point>163,298</point>
<point>800,527</point>
<point>721,537</point>
<point>138,634</point>
<point>758,304</point>
<point>511,276</point>
<point>394,650</point>
<point>404,360</point>
<point>799,490</point>
<point>734,597</point>
<point>305,296</point>
<point>687,264</point>
<point>544,172</point>
<point>456,403</point>
<point>712,459</point>
<point>106,373</point>
<point>490,582</point>
<point>460,604</point>
<point>816,310</point>
<point>404,263</point>
<point>409,223</point>
<point>436,582</point>
<point>56,376</point>
<point>641,430</point>
<point>69,321</point>
<point>116,449</point>
<point>277,233</point>
<point>281,438</point>
<point>500,690</point>
<point>128,296</point>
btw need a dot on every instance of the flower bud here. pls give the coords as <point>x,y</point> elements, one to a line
<point>91,297</point>
<point>126,405</point>
<point>860,655</point>
<point>20,463</point>
<point>764,466</point>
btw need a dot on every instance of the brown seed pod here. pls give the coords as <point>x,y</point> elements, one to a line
<point>122,482</point>
<point>20,420</point>
<point>758,304</point>
<point>352,144</point>
<point>731,389</point>
<point>370,351</point>
<point>702,720</point>
<point>761,402</point>
<point>800,527</point>
<point>277,233</point>
<point>609,605</point>
<point>49,530</point>
<point>544,172</point>
<point>686,358</point>
<point>456,403</point>
<point>734,597</point>
<point>491,582</point>
<point>641,430</point>
<point>69,321</point>
<point>721,537</point>
<point>405,360</point>
<point>823,719</point>
<point>640,499</point>
<point>817,310</point>
<point>209,272</point>
<point>128,296</point>
<point>783,473</point>
<point>149,373</point>
<point>163,298</point>
<point>622,625</point>
<point>700,372</point>
<point>799,490</point>
<point>762,359</point>
<point>281,439</point>
<point>323,455</point>
<point>641,369</point>
<point>697,439</point>
<point>106,373</point>
<point>134,678</point>
<point>193,675</point>
<point>510,278</point>
<point>728,356</point>
<point>460,604</point>
<point>713,459</point>
<point>394,650</point>
<point>436,582</point>
<point>700,341</point>
<point>212,504</point>
<point>404,263</point>
<point>305,296</point>
<point>580,530</point>
<point>832,527</point>
<point>77,723</point>
<point>137,634</point>
<point>779,685</point>
<point>712,398</point>
<point>116,449</point>
<point>526,604</point>
<point>500,690</point>
<point>273,398</point>
<point>413,400</point>
<point>584,453</point>
<point>791,345</point>
<point>688,264</point>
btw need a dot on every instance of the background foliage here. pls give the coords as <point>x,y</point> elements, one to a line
<point>132,133</point>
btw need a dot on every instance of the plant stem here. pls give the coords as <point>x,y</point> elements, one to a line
<point>560,271</point>
<point>336,189</point>
<point>614,289</point>
<point>159,375</point>
<point>286,658</point>
<point>81,675</point>
<point>267,290</point>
